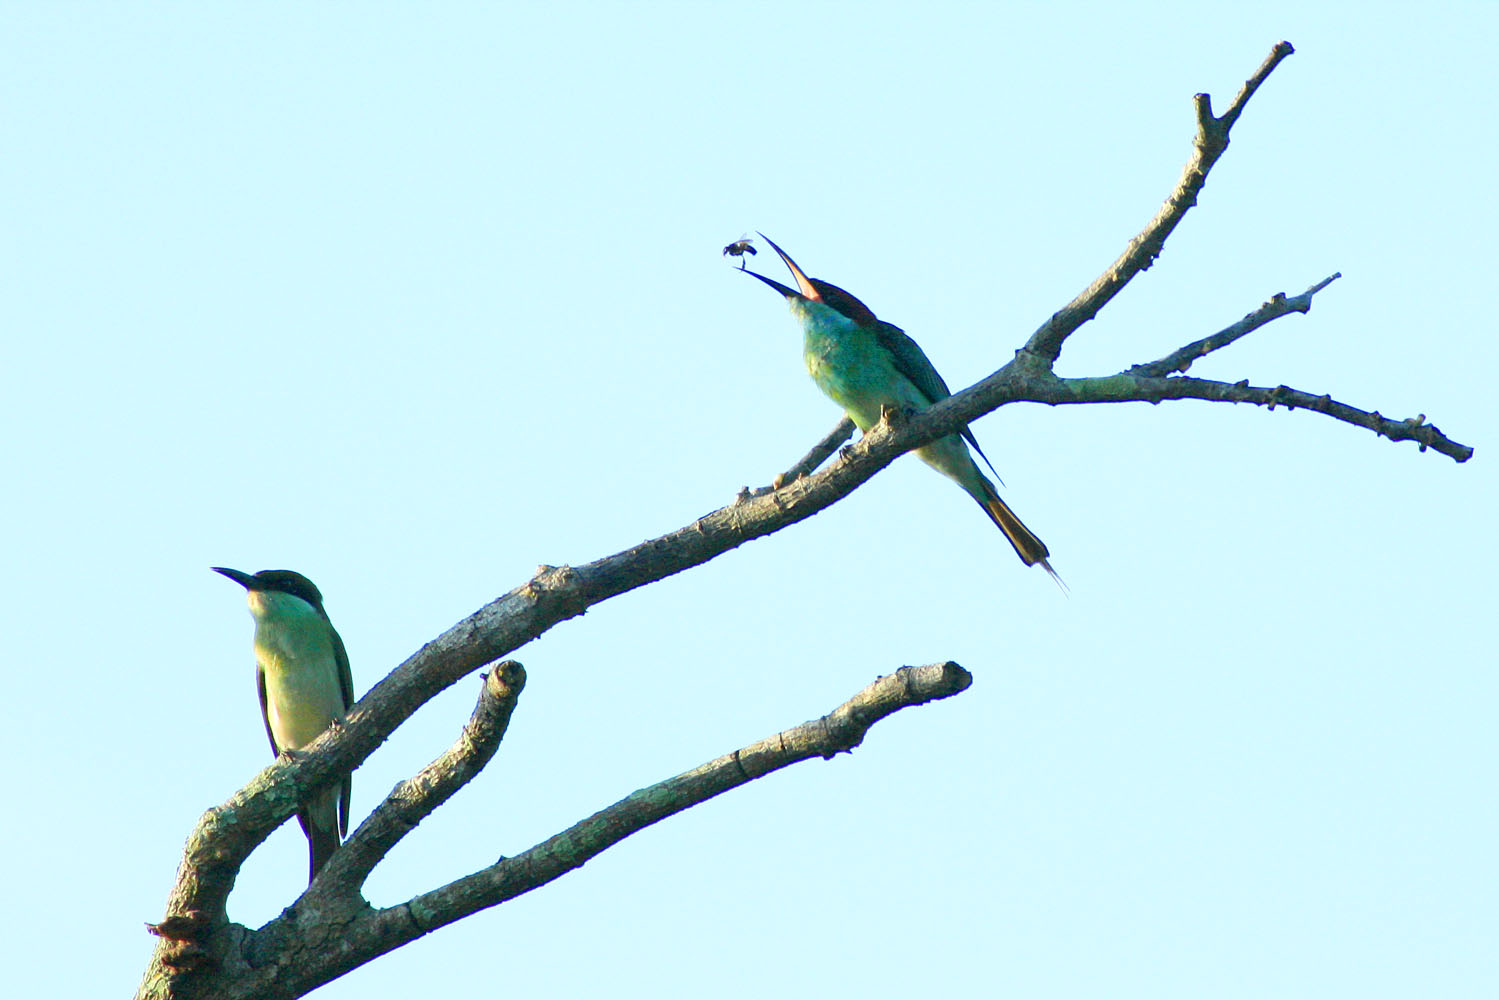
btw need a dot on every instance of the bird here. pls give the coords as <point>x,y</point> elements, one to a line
<point>866,365</point>
<point>302,674</point>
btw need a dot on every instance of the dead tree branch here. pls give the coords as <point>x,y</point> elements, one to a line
<point>412,801</point>
<point>1181,359</point>
<point>196,934</point>
<point>332,930</point>
<point>1209,145</point>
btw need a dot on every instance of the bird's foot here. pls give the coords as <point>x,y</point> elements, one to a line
<point>895,416</point>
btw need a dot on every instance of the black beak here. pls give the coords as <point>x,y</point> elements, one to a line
<point>243,579</point>
<point>788,292</point>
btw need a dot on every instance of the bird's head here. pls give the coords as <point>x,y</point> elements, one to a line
<point>271,587</point>
<point>812,294</point>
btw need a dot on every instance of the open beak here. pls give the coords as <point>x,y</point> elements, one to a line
<point>804,286</point>
<point>773,283</point>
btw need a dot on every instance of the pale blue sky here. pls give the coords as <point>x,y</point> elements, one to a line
<point>412,300</point>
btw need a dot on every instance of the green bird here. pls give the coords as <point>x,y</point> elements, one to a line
<point>302,674</point>
<point>866,365</point>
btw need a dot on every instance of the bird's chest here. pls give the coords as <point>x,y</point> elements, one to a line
<point>289,649</point>
<point>853,371</point>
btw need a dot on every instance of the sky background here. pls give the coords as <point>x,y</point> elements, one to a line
<point>414,300</point>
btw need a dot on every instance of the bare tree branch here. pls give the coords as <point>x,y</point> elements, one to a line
<point>320,938</point>
<point>1016,382</point>
<point>1212,140</point>
<point>1181,359</point>
<point>808,463</point>
<point>819,453</point>
<point>1128,388</point>
<point>837,732</point>
<point>1231,116</point>
<point>412,801</point>
<point>227,834</point>
<point>182,950</point>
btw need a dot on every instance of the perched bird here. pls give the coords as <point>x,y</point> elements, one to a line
<point>302,673</point>
<point>866,365</point>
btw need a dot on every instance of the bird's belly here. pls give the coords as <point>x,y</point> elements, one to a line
<point>299,709</point>
<point>301,689</point>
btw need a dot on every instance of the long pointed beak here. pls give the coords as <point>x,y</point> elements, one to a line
<point>243,579</point>
<point>773,283</point>
<point>803,283</point>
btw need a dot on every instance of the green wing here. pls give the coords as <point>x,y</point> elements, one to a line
<point>911,361</point>
<point>265,714</point>
<point>346,688</point>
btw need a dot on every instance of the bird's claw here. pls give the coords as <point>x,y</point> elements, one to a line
<point>894,416</point>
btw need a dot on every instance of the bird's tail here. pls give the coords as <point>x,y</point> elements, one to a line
<point>1028,547</point>
<point>320,824</point>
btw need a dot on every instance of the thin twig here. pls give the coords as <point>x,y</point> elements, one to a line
<point>808,463</point>
<point>1181,359</point>
<point>820,453</point>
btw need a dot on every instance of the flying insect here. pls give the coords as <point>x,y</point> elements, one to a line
<point>739,248</point>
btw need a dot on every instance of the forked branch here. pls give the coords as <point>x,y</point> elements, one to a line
<point>413,800</point>
<point>1209,145</point>
<point>331,930</point>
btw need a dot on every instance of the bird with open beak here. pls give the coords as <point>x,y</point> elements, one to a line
<point>866,365</point>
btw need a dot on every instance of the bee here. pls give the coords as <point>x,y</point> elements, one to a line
<point>739,248</point>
